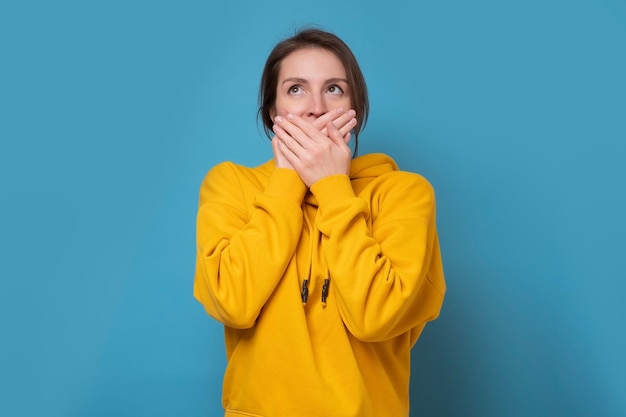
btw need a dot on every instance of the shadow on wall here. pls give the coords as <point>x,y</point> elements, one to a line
<point>498,351</point>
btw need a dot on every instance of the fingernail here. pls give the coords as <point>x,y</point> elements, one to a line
<point>290,116</point>
<point>353,121</point>
<point>279,119</point>
<point>339,110</point>
<point>351,113</point>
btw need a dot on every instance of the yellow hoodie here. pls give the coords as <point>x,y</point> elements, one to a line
<point>372,235</point>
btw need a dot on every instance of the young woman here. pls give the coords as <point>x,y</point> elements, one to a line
<point>323,268</point>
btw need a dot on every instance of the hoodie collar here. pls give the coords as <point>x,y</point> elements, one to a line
<point>367,166</point>
<point>371,165</point>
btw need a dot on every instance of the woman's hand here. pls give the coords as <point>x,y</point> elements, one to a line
<point>301,145</point>
<point>343,120</point>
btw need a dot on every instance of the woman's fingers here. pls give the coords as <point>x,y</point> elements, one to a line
<point>296,131</point>
<point>334,116</point>
<point>303,131</point>
<point>347,127</point>
<point>312,154</point>
<point>281,160</point>
<point>300,145</point>
<point>344,121</point>
<point>289,134</point>
<point>335,135</point>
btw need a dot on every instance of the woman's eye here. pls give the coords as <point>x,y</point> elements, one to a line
<point>295,89</point>
<point>335,89</point>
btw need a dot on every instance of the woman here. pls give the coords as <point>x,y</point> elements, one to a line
<point>323,268</point>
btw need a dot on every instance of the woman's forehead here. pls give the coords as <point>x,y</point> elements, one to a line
<point>312,64</point>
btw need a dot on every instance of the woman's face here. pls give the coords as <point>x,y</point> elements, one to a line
<point>311,82</point>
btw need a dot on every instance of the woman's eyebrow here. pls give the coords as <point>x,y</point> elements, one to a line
<point>303,81</point>
<point>295,80</point>
<point>337,80</point>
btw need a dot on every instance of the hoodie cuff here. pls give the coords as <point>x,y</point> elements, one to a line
<point>332,189</point>
<point>285,183</point>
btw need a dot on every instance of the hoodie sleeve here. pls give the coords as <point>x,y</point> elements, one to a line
<point>382,252</point>
<point>245,238</point>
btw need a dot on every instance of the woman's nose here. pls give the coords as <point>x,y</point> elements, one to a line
<point>317,106</point>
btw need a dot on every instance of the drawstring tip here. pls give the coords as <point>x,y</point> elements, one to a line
<point>305,291</point>
<point>325,291</point>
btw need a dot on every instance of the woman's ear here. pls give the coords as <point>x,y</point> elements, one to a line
<point>272,113</point>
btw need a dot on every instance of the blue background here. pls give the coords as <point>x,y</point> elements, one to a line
<point>112,112</point>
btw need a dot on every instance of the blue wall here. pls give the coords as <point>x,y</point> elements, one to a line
<point>111,113</point>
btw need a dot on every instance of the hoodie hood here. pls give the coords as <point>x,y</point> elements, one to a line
<point>371,165</point>
<point>364,167</point>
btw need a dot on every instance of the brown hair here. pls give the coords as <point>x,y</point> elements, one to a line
<point>313,38</point>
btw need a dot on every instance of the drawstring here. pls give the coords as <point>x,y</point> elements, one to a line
<point>304,294</point>
<point>325,291</point>
<point>305,291</point>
